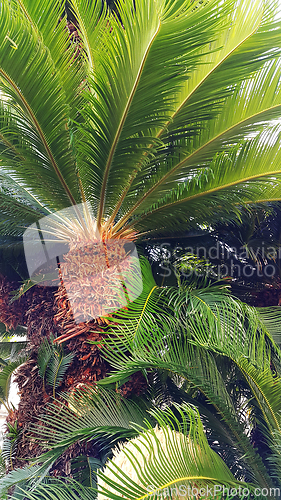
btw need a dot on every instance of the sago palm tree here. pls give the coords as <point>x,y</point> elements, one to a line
<point>157,120</point>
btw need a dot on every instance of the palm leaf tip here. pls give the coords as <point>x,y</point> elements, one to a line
<point>167,459</point>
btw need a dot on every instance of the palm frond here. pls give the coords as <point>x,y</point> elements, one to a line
<point>49,22</point>
<point>136,105</point>
<point>9,447</point>
<point>231,179</point>
<point>90,17</point>
<point>54,488</point>
<point>275,458</point>
<point>6,374</point>
<point>88,414</point>
<point>45,353</point>
<point>271,318</point>
<point>225,327</point>
<point>180,457</point>
<point>42,105</point>
<point>242,111</point>
<point>8,451</point>
<point>145,305</point>
<point>55,366</point>
<point>84,470</point>
<point>17,476</point>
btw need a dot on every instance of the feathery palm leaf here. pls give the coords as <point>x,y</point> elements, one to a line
<point>150,149</point>
<point>226,328</point>
<point>5,378</point>
<point>28,74</point>
<point>182,457</point>
<point>88,413</point>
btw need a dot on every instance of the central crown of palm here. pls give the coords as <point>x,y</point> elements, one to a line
<point>159,119</point>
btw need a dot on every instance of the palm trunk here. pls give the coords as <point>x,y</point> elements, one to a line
<point>46,313</point>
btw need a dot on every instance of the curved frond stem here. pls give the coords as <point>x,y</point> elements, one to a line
<point>265,200</point>
<point>124,194</point>
<point>120,127</point>
<point>22,6</point>
<point>124,219</point>
<point>41,134</point>
<point>208,75</point>
<point>204,193</point>
<point>6,405</point>
<point>187,478</point>
<point>143,309</point>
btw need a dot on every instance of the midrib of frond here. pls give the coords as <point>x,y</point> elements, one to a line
<point>208,75</point>
<point>143,309</point>
<point>186,160</point>
<point>203,193</point>
<point>23,8</point>
<point>120,127</point>
<point>41,134</point>
<point>186,478</point>
<point>182,105</point>
<point>56,376</point>
<point>247,375</point>
<point>262,200</point>
<point>85,37</point>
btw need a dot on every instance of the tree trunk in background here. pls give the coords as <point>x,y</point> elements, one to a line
<point>45,312</point>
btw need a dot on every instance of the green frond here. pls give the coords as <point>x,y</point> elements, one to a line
<point>246,95</point>
<point>90,17</point>
<point>56,367</point>
<point>87,414</point>
<point>220,325</point>
<point>45,354</point>
<point>54,489</point>
<point>6,374</point>
<point>30,79</point>
<point>127,110</point>
<point>266,390</point>
<point>271,318</point>
<point>20,150</point>
<point>182,457</point>
<point>275,458</point>
<point>145,305</point>
<point>2,466</point>
<point>84,470</point>
<point>17,476</point>
<point>49,22</point>
<point>231,179</point>
<point>8,452</point>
